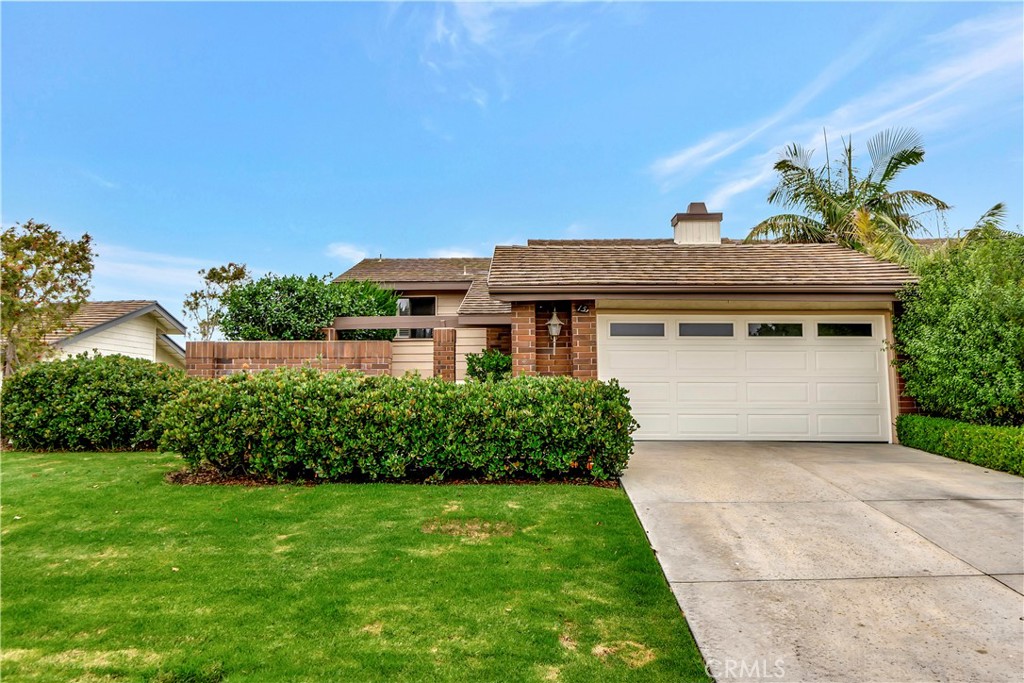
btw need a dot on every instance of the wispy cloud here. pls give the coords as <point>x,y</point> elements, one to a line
<point>347,253</point>
<point>966,73</point>
<point>99,180</point>
<point>124,273</point>
<point>721,144</point>
<point>468,46</point>
<point>454,252</point>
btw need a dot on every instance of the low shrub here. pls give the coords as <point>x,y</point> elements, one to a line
<point>997,448</point>
<point>88,403</point>
<point>302,424</point>
<point>490,366</point>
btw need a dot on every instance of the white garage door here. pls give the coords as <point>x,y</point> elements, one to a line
<point>761,376</point>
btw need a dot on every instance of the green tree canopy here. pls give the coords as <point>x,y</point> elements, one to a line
<point>292,307</point>
<point>960,336</point>
<point>45,280</point>
<point>835,203</point>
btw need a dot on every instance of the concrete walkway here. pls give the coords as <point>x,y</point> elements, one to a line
<point>838,562</point>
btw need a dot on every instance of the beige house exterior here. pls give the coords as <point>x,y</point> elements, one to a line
<point>139,329</point>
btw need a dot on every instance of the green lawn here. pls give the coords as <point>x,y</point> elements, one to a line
<point>111,574</point>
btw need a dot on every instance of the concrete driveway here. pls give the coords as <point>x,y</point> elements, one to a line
<point>838,562</point>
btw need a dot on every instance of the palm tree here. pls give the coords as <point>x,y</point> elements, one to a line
<point>835,205</point>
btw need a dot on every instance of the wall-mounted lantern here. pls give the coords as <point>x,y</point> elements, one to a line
<point>554,327</point>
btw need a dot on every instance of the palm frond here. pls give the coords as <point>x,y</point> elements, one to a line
<point>994,217</point>
<point>892,150</point>
<point>904,207</point>
<point>989,226</point>
<point>788,228</point>
<point>884,239</point>
<point>797,155</point>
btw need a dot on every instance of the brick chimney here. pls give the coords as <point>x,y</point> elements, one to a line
<point>697,226</point>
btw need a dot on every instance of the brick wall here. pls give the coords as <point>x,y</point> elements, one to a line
<point>584,340</point>
<point>444,353</point>
<point>217,358</point>
<point>500,338</point>
<point>524,338</point>
<point>906,404</point>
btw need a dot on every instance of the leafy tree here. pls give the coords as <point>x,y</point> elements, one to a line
<point>206,305</point>
<point>960,336</point>
<point>293,307</point>
<point>45,280</point>
<point>833,203</point>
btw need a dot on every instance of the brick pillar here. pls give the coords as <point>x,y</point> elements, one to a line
<point>584,340</point>
<point>444,353</point>
<point>524,338</point>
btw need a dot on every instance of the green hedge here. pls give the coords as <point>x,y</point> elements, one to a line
<point>997,448</point>
<point>87,403</point>
<point>490,366</point>
<point>303,424</point>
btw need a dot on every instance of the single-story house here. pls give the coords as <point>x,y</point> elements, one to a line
<point>139,329</point>
<point>714,339</point>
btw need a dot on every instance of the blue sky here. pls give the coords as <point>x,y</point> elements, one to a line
<point>300,137</point>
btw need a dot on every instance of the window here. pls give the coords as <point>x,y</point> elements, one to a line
<point>637,329</point>
<point>775,329</point>
<point>416,305</point>
<point>705,329</point>
<point>845,330</point>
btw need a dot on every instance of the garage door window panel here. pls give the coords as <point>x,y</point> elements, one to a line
<point>775,329</point>
<point>706,329</point>
<point>846,330</point>
<point>637,330</point>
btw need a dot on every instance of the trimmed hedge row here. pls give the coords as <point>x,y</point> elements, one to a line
<point>997,448</point>
<point>303,424</point>
<point>88,403</point>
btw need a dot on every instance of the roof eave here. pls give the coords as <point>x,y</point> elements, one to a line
<point>528,293</point>
<point>172,324</point>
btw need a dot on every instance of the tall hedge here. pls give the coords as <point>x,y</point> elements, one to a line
<point>961,332</point>
<point>291,307</point>
<point>302,424</point>
<point>88,403</point>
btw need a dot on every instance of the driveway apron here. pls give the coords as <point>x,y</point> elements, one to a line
<point>837,562</point>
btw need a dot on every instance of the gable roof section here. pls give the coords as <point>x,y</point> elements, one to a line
<point>96,316</point>
<point>478,301</point>
<point>171,346</point>
<point>399,270</point>
<point>663,266</point>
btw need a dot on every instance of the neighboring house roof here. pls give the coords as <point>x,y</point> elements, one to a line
<point>96,316</point>
<point>478,301</point>
<point>396,270</point>
<point>663,266</point>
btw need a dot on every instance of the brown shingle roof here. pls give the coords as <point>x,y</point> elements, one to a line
<point>478,301</point>
<point>612,242</point>
<point>417,270</point>
<point>93,314</point>
<point>699,267</point>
